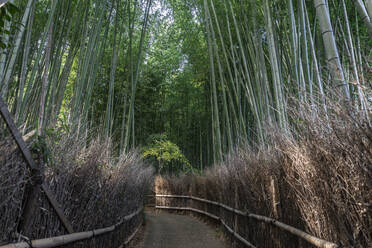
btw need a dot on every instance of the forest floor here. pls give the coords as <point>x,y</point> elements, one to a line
<point>164,230</point>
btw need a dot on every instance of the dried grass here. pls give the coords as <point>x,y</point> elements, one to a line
<point>323,176</point>
<point>94,189</point>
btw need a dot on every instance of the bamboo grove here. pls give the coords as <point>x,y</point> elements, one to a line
<point>38,66</point>
<point>268,52</point>
<point>244,65</point>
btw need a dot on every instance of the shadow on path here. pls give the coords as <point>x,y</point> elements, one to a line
<point>165,230</point>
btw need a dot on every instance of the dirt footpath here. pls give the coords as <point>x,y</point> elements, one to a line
<point>165,230</point>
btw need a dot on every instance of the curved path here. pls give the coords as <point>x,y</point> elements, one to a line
<point>165,230</point>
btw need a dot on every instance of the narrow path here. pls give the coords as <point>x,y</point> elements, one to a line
<point>165,230</point>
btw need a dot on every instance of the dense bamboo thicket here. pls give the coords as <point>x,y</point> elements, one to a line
<point>290,96</point>
<point>56,54</point>
<point>261,89</point>
<point>206,75</point>
<point>56,58</point>
<point>319,181</point>
<point>262,54</point>
<point>94,189</point>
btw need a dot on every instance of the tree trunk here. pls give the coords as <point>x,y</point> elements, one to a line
<point>364,14</point>
<point>369,8</point>
<point>329,42</point>
<point>3,52</point>
<point>3,2</point>
<point>277,77</point>
<point>5,82</point>
<point>115,52</point>
<point>130,121</point>
<point>45,80</point>
<point>25,62</point>
<point>216,120</point>
<point>223,87</point>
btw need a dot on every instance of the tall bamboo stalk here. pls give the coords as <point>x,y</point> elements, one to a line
<point>362,98</point>
<point>216,119</point>
<point>45,80</point>
<point>222,81</point>
<point>130,121</point>
<point>8,73</point>
<point>333,58</point>
<point>366,17</point>
<point>277,78</point>
<point>25,57</point>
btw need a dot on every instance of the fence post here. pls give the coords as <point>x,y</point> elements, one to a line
<point>275,197</point>
<point>37,182</point>
<point>33,188</point>
<point>236,223</point>
<point>276,206</point>
<point>29,206</point>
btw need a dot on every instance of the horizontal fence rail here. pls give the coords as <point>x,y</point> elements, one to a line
<point>213,217</point>
<point>74,237</point>
<point>131,237</point>
<point>297,232</point>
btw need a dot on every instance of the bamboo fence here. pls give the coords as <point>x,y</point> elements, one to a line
<point>297,232</point>
<point>38,186</point>
<point>74,237</point>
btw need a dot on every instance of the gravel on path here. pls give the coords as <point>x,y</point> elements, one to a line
<point>164,230</point>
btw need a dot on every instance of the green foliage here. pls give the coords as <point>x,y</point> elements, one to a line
<point>63,123</point>
<point>171,94</point>
<point>169,156</point>
<point>40,147</point>
<point>6,14</point>
<point>174,94</point>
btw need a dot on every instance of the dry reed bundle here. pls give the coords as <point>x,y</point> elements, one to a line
<point>319,181</point>
<point>94,189</point>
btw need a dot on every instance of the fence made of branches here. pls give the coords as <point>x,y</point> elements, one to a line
<point>318,180</point>
<point>213,210</point>
<point>68,191</point>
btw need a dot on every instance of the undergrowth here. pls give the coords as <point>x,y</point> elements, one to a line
<point>94,188</point>
<point>321,173</point>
